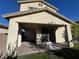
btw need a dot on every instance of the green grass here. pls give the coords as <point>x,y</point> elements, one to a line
<point>69,53</point>
<point>43,55</point>
<point>76,46</point>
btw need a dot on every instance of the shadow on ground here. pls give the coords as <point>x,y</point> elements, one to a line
<point>67,53</point>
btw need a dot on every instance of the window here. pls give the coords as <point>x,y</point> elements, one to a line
<point>40,4</point>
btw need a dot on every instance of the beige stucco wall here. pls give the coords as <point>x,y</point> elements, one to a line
<point>42,18</point>
<point>60,32</point>
<point>25,6</point>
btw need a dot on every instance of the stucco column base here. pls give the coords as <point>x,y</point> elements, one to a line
<point>71,44</point>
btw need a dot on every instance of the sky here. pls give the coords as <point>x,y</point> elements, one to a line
<point>68,8</point>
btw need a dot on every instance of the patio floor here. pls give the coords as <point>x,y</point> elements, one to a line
<point>27,48</point>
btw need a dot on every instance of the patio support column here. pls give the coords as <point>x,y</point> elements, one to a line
<point>69,35</point>
<point>38,36</point>
<point>19,37</point>
<point>12,36</point>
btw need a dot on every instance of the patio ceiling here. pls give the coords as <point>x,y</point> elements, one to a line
<point>34,25</point>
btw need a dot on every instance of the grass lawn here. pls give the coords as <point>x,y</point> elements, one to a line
<point>42,55</point>
<point>68,53</point>
<point>76,46</point>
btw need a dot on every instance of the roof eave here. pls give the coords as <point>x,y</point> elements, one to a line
<point>21,13</point>
<point>50,5</point>
<point>4,27</point>
<point>43,9</point>
<point>26,1</point>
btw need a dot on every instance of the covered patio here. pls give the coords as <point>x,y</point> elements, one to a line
<point>39,33</point>
<point>33,37</point>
